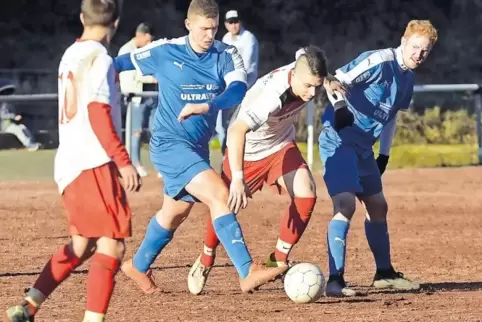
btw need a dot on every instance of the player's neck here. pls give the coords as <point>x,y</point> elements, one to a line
<point>195,47</point>
<point>96,33</point>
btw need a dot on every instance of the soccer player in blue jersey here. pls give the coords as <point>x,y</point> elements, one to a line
<point>199,76</point>
<point>380,83</point>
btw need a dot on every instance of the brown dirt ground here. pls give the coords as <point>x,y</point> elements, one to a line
<point>436,233</point>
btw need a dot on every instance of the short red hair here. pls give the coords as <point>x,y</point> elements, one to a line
<point>421,27</point>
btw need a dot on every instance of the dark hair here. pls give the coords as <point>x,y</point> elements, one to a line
<point>100,12</point>
<point>316,60</point>
<point>145,28</point>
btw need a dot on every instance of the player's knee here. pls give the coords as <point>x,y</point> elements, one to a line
<point>377,210</point>
<point>218,198</point>
<point>307,190</point>
<point>344,204</point>
<point>120,249</point>
<point>82,247</point>
<point>111,247</point>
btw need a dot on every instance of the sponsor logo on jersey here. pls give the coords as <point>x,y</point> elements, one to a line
<point>197,97</point>
<point>212,87</point>
<point>144,54</point>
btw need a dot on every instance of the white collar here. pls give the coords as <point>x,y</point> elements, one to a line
<point>399,57</point>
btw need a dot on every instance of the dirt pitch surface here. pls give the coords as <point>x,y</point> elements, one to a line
<point>435,225</point>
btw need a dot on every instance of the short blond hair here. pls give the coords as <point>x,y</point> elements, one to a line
<point>100,12</point>
<point>203,8</point>
<point>421,27</point>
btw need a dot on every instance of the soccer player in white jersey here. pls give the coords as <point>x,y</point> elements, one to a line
<point>262,150</point>
<point>89,159</point>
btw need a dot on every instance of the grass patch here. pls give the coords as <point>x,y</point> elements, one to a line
<point>39,165</point>
<point>432,155</point>
<point>411,155</point>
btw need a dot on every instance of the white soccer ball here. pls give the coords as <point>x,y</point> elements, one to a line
<point>304,283</point>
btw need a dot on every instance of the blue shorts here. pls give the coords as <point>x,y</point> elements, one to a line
<point>179,161</point>
<point>347,166</point>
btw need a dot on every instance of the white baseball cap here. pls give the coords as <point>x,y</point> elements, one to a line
<point>232,14</point>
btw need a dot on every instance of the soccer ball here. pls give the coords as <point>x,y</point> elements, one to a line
<point>304,283</point>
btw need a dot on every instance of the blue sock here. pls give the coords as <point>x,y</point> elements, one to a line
<point>155,240</point>
<point>379,242</point>
<point>337,232</point>
<point>229,233</point>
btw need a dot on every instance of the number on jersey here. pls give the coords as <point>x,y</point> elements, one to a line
<point>68,88</point>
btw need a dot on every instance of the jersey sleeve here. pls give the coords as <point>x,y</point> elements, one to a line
<point>386,137</point>
<point>233,68</point>
<point>257,112</point>
<point>364,69</point>
<point>101,80</point>
<point>405,103</point>
<point>146,59</point>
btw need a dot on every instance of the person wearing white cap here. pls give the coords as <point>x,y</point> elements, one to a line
<point>247,45</point>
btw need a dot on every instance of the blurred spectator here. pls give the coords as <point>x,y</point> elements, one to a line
<point>247,45</point>
<point>133,82</point>
<point>10,120</point>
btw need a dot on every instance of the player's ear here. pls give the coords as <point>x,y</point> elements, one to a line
<point>403,41</point>
<point>82,19</point>
<point>293,73</point>
<point>116,23</point>
<point>187,23</point>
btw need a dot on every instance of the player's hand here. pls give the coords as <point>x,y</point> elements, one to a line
<point>192,109</point>
<point>238,195</point>
<point>331,84</point>
<point>343,118</point>
<point>382,162</point>
<point>132,180</point>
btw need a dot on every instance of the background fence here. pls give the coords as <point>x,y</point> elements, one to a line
<point>43,114</point>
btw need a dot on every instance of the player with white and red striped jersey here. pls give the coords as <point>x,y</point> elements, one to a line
<point>87,79</point>
<point>262,149</point>
<point>89,159</point>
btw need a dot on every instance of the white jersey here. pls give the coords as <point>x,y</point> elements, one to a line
<point>270,110</point>
<point>86,75</point>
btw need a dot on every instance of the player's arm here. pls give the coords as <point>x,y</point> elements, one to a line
<point>129,79</point>
<point>123,63</point>
<point>364,69</point>
<point>342,117</point>
<point>144,60</point>
<point>235,79</point>
<point>388,133</point>
<point>249,119</point>
<point>386,140</point>
<point>101,122</point>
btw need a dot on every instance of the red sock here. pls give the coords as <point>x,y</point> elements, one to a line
<point>58,268</point>
<point>293,224</point>
<point>100,282</point>
<point>211,241</point>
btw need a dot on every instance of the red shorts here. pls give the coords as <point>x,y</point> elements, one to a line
<point>269,169</point>
<point>96,204</point>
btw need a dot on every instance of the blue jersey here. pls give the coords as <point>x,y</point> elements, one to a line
<point>379,86</point>
<point>185,76</point>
